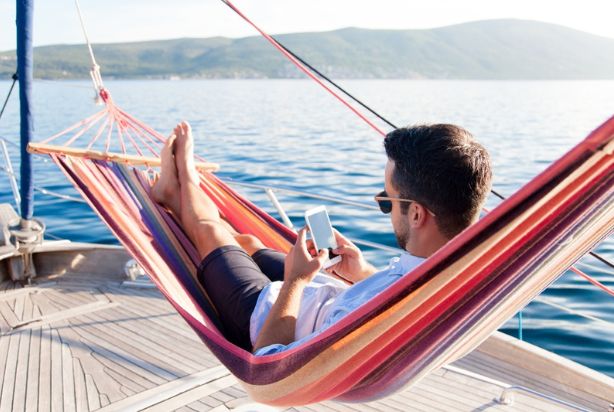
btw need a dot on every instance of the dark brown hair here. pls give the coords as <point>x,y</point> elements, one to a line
<point>442,167</point>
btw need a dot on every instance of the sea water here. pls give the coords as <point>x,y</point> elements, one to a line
<point>290,133</point>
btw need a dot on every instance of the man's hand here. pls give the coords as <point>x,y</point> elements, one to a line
<point>300,265</point>
<point>353,266</point>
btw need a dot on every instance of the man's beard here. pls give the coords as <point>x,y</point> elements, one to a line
<point>402,235</point>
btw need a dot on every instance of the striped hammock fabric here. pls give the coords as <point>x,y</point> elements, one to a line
<point>454,300</point>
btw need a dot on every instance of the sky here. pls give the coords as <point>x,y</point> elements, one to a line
<point>56,21</point>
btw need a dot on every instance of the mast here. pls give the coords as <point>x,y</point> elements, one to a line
<point>25,11</point>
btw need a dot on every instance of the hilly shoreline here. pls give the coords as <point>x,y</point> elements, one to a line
<point>492,49</point>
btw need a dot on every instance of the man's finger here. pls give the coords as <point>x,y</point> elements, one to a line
<point>345,250</point>
<point>322,256</point>
<point>300,239</point>
<point>311,248</point>
<point>301,243</point>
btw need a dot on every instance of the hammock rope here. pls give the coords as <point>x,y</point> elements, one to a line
<point>95,69</point>
<point>439,312</point>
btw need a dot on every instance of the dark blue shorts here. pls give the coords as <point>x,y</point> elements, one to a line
<point>233,280</point>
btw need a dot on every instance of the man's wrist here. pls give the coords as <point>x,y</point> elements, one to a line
<point>295,283</point>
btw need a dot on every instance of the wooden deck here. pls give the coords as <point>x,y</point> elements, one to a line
<point>83,341</point>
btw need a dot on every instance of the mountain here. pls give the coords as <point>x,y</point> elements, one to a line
<point>492,49</point>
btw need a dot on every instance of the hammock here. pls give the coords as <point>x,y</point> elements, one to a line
<point>450,304</point>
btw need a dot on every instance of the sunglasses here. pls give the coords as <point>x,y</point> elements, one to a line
<point>385,202</point>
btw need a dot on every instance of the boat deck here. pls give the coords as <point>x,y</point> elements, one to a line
<point>83,341</point>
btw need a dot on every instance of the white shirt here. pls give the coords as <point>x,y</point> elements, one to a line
<point>326,300</point>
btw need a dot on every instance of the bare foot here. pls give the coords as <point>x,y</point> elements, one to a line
<point>184,154</point>
<point>166,190</point>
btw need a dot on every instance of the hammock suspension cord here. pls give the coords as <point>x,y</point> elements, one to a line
<point>95,70</point>
<point>303,65</point>
<point>304,69</point>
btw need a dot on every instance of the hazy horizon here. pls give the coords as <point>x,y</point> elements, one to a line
<point>118,21</point>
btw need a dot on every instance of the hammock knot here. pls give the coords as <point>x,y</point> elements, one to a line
<point>104,95</point>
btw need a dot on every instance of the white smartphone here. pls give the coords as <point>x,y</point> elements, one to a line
<point>322,233</point>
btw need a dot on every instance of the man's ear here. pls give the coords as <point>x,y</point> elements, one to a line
<point>416,215</point>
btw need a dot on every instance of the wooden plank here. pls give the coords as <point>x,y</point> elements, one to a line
<point>84,351</point>
<point>21,378</point>
<point>210,402</point>
<point>171,389</point>
<point>28,310</point>
<point>119,356</point>
<point>57,390</point>
<point>5,326</point>
<point>44,386</point>
<point>104,400</point>
<point>68,379</point>
<point>61,315</point>
<point>125,376</point>
<point>21,373</point>
<point>93,396</point>
<point>10,370</point>
<point>81,404</point>
<point>173,327</point>
<point>235,391</point>
<point>184,409</point>
<point>474,387</point>
<point>44,304</point>
<point>130,353</point>
<point>8,314</point>
<point>174,355</point>
<point>222,397</point>
<point>438,391</point>
<point>4,350</point>
<point>199,406</point>
<point>170,328</point>
<point>498,369</point>
<point>127,386</point>
<point>192,395</point>
<point>20,306</point>
<point>220,408</point>
<point>336,406</point>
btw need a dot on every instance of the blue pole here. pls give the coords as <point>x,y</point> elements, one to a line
<point>25,11</point>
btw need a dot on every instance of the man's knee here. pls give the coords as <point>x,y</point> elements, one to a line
<point>211,235</point>
<point>250,243</point>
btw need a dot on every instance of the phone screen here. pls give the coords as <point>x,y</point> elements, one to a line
<point>322,232</point>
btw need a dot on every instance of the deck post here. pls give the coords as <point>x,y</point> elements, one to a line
<point>25,12</point>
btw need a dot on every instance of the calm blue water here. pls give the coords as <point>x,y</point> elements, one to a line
<point>289,133</point>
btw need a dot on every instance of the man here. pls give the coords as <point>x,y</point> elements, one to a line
<point>435,183</point>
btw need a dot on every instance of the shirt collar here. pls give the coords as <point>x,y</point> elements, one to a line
<point>408,262</point>
<point>404,263</point>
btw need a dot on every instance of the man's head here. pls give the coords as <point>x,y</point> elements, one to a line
<point>448,175</point>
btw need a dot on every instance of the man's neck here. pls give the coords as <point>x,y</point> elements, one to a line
<point>426,246</point>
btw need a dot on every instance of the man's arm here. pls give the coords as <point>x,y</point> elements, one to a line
<point>299,270</point>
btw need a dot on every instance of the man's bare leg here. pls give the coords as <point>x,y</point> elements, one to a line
<point>165,190</point>
<point>199,216</point>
